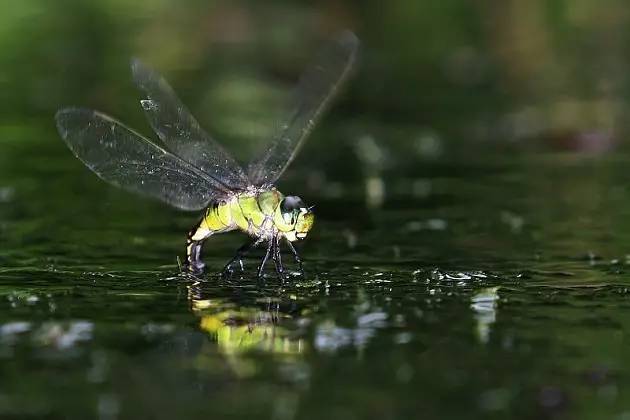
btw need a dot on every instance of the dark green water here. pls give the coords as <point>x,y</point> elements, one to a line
<point>499,287</point>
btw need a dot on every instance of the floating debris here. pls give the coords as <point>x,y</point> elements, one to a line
<point>10,331</point>
<point>374,318</point>
<point>63,336</point>
<point>484,304</point>
<point>330,338</point>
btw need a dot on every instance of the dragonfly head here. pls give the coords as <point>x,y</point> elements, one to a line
<point>294,218</point>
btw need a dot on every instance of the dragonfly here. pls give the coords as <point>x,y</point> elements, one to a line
<point>187,169</point>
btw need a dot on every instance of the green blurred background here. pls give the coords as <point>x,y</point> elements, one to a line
<point>548,73</point>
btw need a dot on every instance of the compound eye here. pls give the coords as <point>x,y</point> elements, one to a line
<point>291,203</point>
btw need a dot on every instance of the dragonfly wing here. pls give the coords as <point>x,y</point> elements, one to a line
<point>317,86</point>
<point>181,133</point>
<point>127,159</point>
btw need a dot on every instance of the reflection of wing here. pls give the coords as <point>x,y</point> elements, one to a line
<point>126,159</point>
<point>181,133</point>
<point>316,88</point>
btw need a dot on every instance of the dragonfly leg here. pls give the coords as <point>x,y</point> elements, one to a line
<point>193,257</point>
<point>194,243</point>
<point>296,256</point>
<point>261,267</point>
<point>277,257</point>
<point>240,253</point>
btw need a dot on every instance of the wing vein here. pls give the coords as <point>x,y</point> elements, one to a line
<point>125,158</point>
<point>317,87</point>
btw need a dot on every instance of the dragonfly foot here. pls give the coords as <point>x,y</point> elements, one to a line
<point>297,258</point>
<point>195,268</point>
<point>280,272</point>
<point>229,268</point>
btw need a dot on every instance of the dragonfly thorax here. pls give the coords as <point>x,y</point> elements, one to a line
<point>262,214</point>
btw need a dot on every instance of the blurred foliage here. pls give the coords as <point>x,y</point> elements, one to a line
<point>496,70</point>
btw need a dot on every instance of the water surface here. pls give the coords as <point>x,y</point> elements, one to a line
<point>479,285</point>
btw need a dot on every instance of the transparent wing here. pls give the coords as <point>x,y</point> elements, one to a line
<point>316,88</point>
<point>181,133</point>
<point>128,160</point>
